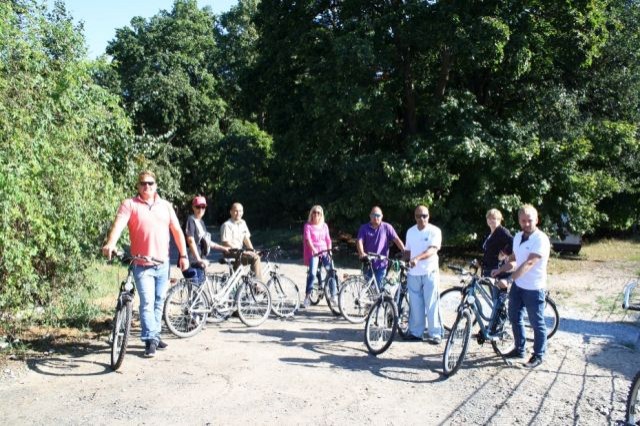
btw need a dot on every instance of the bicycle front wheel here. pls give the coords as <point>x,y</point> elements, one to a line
<point>449,302</point>
<point>381,326</point>
<point>254,303</point>
<point>355,300</point>
<point>551,319</point>
<point>185,310</point>
<point>285,296</point>
<point>457,343</point>
<point>332,299</point>
<point>120,334</point>
<point>632,416</point>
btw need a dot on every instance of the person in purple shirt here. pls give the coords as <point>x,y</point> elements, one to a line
<point>375,237</point>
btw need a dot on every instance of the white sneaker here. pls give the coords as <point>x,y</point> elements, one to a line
<point>307,302</point>
<point>334,301</point>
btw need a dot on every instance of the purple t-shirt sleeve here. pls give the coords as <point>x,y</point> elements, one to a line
<point>391,234</point>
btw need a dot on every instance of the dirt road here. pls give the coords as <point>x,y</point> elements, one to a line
<point>315,369</point>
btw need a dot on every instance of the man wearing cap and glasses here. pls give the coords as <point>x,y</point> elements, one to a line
<point>149,218</point>
<point>423,243</point>
<point>199,241</point>
<point>375,237</point>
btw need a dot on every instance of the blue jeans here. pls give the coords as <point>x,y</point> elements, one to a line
<point>533,301</point>
<point>424,304</point>
<point>313,269</point>
<point>379,273</point>
<point>152,283</point>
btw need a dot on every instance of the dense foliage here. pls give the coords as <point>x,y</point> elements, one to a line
<point>281,104</point>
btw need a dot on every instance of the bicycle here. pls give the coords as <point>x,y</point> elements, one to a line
<point>390,313</point>
<point>358,293</point>
<point>497,330</point>
<point>451,297</point>
<point>189,303</point>
<point>631,301</point>
<point>285,295</point>
<point>326,283</point>
<point>124,309</point>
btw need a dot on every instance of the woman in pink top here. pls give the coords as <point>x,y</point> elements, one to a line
<point>315,238</point>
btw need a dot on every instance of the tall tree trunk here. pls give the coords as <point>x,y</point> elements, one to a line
<point>445,69</point>
<point>409,101</point>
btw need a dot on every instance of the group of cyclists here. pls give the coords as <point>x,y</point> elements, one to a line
<point>518,263</point>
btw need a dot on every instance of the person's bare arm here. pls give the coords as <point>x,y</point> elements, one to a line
<point>508,265</point>
<point>178,236</point>
<point>398,242</point>
<point>424,255</point>
<point>117,227</point>
<point>360,248</point>
<point>526,266</point>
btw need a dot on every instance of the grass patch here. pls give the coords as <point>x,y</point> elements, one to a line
<point>71,315</point>
<point>612,249</point>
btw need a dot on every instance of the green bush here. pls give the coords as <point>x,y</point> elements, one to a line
<point>56,190</point>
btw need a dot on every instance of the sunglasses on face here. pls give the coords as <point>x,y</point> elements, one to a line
<point>201,207</point>
<point>146,183</point>
<point>316,212</point>
<point>422,216</point>
<point>376,215</point>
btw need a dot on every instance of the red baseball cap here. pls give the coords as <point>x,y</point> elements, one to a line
<point>199,201</point>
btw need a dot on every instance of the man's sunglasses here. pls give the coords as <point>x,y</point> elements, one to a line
<point>146,183</point>
<point>422,216</point>
<point>201,207</point>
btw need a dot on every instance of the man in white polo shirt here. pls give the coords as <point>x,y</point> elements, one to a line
<point>423,243</point>
<point>531,249</point>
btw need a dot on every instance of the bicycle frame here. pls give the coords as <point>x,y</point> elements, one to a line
<point>330,271</point>
<point>476,307</point>
<point>230,282</point>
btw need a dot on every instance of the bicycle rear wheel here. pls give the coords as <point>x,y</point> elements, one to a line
<point>316,293</point>
<point>551,319</point>
<point>449,301</point>
<point>120,333</point>
<point>185,309</point>
<point>254,303</point>
<point>381,326</point>
<point>404,310</point>
<point>285,296</point>
<point>505,342</point>
<point>632,415</point>
<point>355,299</point>
<point>457,343</point>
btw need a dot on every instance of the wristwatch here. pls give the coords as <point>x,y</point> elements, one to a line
<point>183,256</point>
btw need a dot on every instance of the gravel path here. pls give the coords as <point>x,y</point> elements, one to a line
<point>315,369</point>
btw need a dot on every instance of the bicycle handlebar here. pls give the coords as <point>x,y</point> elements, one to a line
<point>628,289</point>
<point>326,251</point>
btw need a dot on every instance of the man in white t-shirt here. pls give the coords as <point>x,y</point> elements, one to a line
<point>423,243</point>
<point>235,234</point>
<point>531,249</point>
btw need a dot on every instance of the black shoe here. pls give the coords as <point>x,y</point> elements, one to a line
<point>514,353</point>
<point>434,340</point>
<point>534,361</point>
<point>150,348</point>
<point>412,338</point>
<point>162,344</point>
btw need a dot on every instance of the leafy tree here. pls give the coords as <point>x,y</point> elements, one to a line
<point>56,188</point>
<point>167,80</point>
